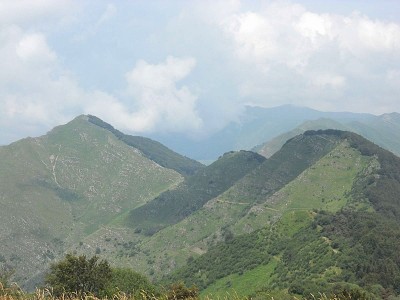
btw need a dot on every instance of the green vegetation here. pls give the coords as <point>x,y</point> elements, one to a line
<point>77,274</point>
<point>153,150</point>
<point>60,188</point>
<point>178,291</point>
<point>80,275</point>
<point>320,216</point>
<point>350,250</point>
<point>243,284</point>
<point>325,254</point>
<point>241,257</point>
<point>368,244</point>
<point>174,205</point>
<point>297,155</point>
<point>329,184</point>
<point>381,188</point>
<point>128,282</point>
<point>235,255</point>
<point>76,277</point>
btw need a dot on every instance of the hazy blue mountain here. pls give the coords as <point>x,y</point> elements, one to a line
<point>256,125</point>
<point>384,130</point>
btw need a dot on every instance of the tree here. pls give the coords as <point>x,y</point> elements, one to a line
<point>129,282</point>
<point>77,274</point>
<point>178,291</point>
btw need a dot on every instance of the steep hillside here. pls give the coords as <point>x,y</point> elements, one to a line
<point>290,224</point>
<point>298,154</point>
<point>153,150</point>
<point>174,205</point>
<point>244,207</point>
<point>334,228</point>
<point>61,187</point>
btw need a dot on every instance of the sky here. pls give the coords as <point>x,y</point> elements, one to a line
<point>191,67</point>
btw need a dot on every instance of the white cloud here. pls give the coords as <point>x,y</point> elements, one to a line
<point>255,37</point>
<point>225,54</point>
<point>157,102</point>
<point>161,77</point>
<point>328,80</point>
<point>358,34</point>
<point>160,104</point>
<point>37,91</point>
<point>317,55</point>
<point>283,31</point>
<point>33,48</point>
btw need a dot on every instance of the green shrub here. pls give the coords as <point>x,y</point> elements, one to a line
<point>129,282</point>
<point>77,274</point>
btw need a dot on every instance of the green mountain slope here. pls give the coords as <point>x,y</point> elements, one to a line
<point>174,205</point>
<point>153,150</point>
<point>305,220</point>
<point>334,227</point>
<point>229,213</point>
<point>61,187</point>
<point>298,154</point>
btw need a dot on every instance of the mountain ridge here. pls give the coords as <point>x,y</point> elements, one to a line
<point>58,188</point>
<point>174,205</point>
<point>254,126</point>
<point>298,251</point>
<point>153,150</point>
<point>283,205</point>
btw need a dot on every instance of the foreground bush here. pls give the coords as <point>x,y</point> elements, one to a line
<point>77,274</point>
<point>129,282</point>
<point>179,291</point>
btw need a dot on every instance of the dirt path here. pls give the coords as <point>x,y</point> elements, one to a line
<point>230,202</point>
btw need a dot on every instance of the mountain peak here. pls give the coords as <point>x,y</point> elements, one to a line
<point>152,149</point>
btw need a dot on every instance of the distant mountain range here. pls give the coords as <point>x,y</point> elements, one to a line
<point>320,214</point>
<point>259,125</point>
<point>383,130</point>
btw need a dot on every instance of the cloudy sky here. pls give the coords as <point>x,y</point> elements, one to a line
<point>192,66</point>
